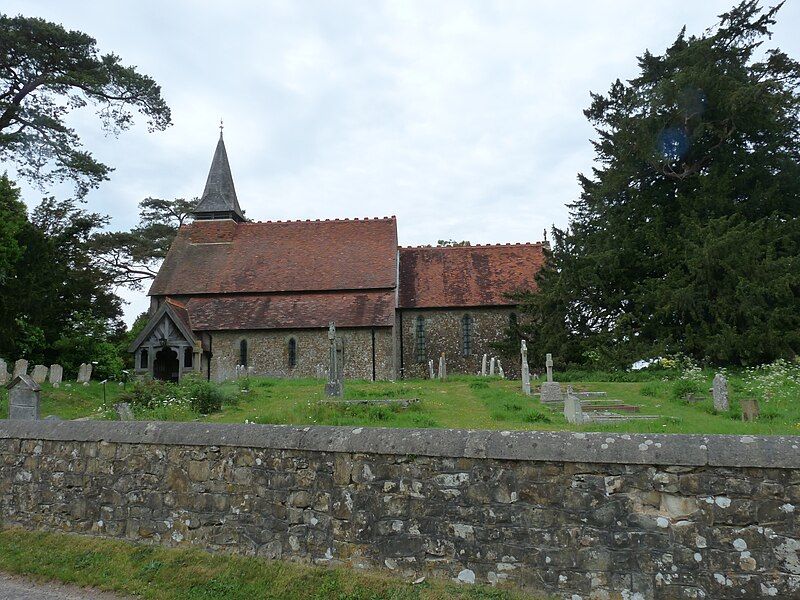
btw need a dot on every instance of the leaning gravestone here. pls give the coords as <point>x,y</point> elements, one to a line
<point>39,374</point>
<point>23,398</point>
<point>550,390</point>
<point>20,368</point>
<point>84,373</point>
<point>526,373</point>
<point>56,374</point>
<point>719,391</point>
<point>750,410</point>
<point>334,388</point>
<point>442,367</point>
<point>572,408</point>
<point>3,371</point>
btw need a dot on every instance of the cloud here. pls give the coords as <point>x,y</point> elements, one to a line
<point>464,119</point>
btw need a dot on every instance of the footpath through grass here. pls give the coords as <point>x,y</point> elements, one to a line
<point>172,574</point>
<point>465,402</point>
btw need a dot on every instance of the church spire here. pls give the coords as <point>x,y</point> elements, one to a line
<point>219,199</point>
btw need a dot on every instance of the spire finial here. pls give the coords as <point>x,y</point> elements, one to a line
<point>220,127</point>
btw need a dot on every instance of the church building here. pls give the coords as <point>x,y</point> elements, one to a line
<point>234,295</point>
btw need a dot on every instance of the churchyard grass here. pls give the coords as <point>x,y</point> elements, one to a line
<point>460,402</point>
<point>156,572</point>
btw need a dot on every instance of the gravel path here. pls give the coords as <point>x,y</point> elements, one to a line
<point>13,587</point>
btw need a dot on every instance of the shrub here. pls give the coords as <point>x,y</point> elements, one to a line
<point>204,396</point>
<point>686,387</point>
<point>535,417</point>
<point>650,389</point>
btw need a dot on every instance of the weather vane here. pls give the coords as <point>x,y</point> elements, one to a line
<point>220,126</point>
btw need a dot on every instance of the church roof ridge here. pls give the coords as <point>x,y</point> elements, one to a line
<point>497,245</point>
<point>336,220</point>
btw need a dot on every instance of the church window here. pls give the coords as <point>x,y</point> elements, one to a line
<point>188,357</point>
<point>419,336</point>
<point>292,353</point>
<point>243,353</point>
<point>466,335</point>
<point>144,359</point>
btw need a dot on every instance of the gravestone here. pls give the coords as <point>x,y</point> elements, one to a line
<point>750,409</point>
<point>3,371</point>
<point>442,367</point>
<point>483,365</point>
<point>124,412</point>
<point>719,391</point>
<point>39,374</point>
<point>492,366</point>
<point>550,391</point>
<point>500,371</point>
<point>573,412</point>
<point>56,374</point>
<point>431,373</point>
<point>84,373</point>
<point>23,398</point>
<point>334,388</point>
<point>20,368</point>
<point>526,373</point>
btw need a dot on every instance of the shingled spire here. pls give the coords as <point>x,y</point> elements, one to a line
<point>219,198</point>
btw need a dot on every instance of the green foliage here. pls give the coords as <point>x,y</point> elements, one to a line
<point>161,397</point>
<point>683,388</point>
<point>133,257</point>
<point>204,397</point>
<point>48,71</point>
<point>685,237</point>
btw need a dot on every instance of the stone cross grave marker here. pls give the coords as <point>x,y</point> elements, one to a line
<point>23,398</point>
<point>719,391</point>
<point>750,409</point>
<point>84,373</point>
<point>483,365</point>
<point>442,367</point>
<point>56,374</point>
<point>572,408</point>
<point>39,374</point>
<point>492,366</point>
<point>3,371</point>
<point>124,412</point>
<point>431,373</point>
<point>334,388</point>
<point>550,391</point>
<point>20,368</point>
<point>526,373</point>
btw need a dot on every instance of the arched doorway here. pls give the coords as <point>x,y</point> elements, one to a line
<point>165,365</point>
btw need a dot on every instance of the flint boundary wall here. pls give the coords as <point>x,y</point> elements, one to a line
<point>579,515</point>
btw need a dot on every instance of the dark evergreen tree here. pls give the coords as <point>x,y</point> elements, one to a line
<point>686,236</point>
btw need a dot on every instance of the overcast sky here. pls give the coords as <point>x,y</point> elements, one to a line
<point>464,119</point>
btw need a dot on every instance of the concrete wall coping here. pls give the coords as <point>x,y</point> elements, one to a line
<point>781,452</point>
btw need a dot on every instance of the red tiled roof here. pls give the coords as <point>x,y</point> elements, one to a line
<point>467,275</point>
<point>292,311</point>
<point>210,257</point>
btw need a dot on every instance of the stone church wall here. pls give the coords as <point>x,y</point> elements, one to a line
<point>576,515</point>
<point>443,332</point>
<point>268,353</point>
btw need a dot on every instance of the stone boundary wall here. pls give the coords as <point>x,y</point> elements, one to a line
<point>579,515</point>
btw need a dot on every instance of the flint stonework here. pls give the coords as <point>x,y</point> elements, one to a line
<point>565,514</point>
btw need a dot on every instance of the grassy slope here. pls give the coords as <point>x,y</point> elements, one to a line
<point>461,402</point>
<point>166,574</point>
